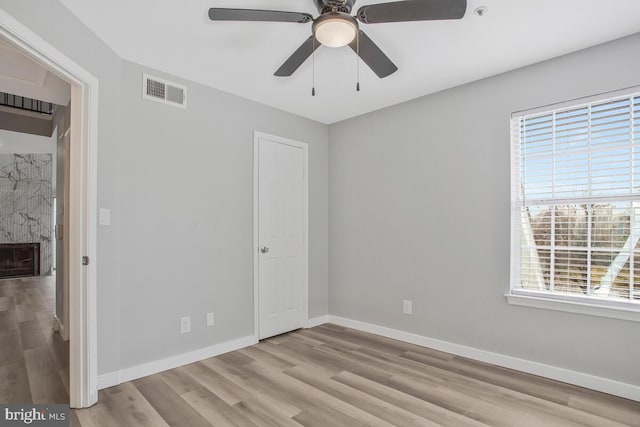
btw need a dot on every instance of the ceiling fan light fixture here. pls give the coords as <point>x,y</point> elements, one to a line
<point>335,29</point>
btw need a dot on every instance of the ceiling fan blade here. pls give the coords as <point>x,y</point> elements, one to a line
<point>412,10</point>
<point>371,54</point>
<point>297,58</point>
<point>220,14</point>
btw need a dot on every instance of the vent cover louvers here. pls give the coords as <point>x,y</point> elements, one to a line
<point>163,91</point>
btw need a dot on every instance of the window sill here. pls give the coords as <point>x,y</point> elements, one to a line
<point>619,311</point>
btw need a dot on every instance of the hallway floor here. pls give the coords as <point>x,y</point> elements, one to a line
<point>34,359</point>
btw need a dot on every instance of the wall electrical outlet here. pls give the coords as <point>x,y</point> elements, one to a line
<point>210,319</point>
<point>185,324</point>
<point>407,306</point>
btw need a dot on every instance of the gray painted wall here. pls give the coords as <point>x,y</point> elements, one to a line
<point>186,218</point>
<point>419,209</point>
<point>180,188</point>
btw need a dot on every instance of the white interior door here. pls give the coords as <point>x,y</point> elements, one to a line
<point>281,230</point>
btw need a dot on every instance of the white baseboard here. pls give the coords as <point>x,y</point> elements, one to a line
<point>316,321</point>
<point>109,380</point>
<point>128,374</point>
<point>59,326</point>
<point>605,385</point>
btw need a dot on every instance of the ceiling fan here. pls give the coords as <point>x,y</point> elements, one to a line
<point>336,27</point>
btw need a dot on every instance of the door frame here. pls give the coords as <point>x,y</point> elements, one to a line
<point>83,354</point>
<point>257,136</point>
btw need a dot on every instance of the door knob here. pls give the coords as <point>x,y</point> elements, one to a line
<point>264,249</point>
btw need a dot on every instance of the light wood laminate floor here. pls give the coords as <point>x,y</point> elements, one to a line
<point>334,376</point>
<point>34,360</point>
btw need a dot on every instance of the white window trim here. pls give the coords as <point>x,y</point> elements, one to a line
<point>615,309</point>
<point>575,304</point>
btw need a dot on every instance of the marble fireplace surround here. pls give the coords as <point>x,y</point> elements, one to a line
<point>26,202</point>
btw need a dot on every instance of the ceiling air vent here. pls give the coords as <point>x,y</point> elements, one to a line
<point>163,91</point>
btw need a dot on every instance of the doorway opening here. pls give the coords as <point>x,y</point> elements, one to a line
<point>81,212</point>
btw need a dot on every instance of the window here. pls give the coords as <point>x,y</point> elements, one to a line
<point>576,203</point>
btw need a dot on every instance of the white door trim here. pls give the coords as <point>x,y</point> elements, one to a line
<point>83,201</point>
<point>256,243</point>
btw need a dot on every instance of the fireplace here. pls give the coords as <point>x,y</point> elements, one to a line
<point>19,259</point>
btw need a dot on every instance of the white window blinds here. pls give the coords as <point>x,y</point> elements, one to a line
<point>576,200</point>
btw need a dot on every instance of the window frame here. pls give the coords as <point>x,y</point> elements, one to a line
<point>573,303</point>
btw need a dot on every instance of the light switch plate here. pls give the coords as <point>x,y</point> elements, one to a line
<point>105,216</point>
<point>210,319</point>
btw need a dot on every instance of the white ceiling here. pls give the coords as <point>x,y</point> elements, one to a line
<point>21,76</point>
<point>241,57</point>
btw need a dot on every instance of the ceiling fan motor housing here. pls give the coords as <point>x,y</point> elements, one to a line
<point>335,29</point>
<point>325,6</point>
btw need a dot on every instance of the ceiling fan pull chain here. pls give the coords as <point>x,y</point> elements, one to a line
<point>358,61</point>
<point>313,68</point>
